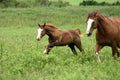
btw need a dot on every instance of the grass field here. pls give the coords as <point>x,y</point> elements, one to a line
<point>21,56</point>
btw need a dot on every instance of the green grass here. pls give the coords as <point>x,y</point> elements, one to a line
<point>21,56</point>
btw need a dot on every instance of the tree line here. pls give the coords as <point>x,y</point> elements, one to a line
<point>34,3</point>
<point>57,3</point>
<point>93,2</point>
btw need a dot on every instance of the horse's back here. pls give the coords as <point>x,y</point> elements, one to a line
<point>75,33</point>
<point>116,26</point>
<point>116,21</point>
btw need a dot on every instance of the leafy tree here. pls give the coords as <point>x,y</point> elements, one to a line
<point>42,2</point>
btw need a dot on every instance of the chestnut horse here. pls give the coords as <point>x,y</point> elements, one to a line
<point>107,33</point>
<point>59,37</point>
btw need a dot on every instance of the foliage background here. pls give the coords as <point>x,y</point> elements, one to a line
<point>55,3</point>
<point>21,56</point>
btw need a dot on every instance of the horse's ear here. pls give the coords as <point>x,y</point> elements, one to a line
<point>95,14</point>
<point>88,11</point>
<point>44,24</point>
<point>39,25</point>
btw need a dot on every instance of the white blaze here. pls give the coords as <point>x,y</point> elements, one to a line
<point>89,24</point>
<point>39,33</point>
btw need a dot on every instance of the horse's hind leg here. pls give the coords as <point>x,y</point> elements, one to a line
<point>78,45</point>
<point>72,48</point>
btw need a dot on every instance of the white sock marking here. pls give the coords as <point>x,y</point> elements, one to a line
<point>98,57</point>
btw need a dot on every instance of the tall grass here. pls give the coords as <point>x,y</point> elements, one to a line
<point>21,56</point>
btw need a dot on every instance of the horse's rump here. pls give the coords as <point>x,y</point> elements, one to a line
<point>79,32</point>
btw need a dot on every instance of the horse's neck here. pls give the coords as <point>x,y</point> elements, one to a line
<point>50,31</point>
<point>103,26</point>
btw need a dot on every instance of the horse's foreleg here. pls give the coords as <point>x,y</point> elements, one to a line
<point>98,48</point>
<point>115,50</point>
<point>118,54</point>
<point>47,50</point>
<point>72,48</point>
<point>50,46</point>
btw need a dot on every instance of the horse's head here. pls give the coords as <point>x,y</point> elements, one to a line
<point>91,23</point>
<point>41,31</point>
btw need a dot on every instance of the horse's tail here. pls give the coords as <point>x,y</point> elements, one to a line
<point>79,32</point>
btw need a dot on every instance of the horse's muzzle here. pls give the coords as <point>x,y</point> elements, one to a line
<point>38,39</point>
<point>89,34</point>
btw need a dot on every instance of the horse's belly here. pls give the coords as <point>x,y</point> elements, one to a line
<point>108,42</point>
<point>63,44</point>
<point>104,42</point>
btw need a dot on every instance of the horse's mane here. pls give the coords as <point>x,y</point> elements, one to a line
<point>51,25</point>
<point>103,17</point>
<point>97,14</point>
